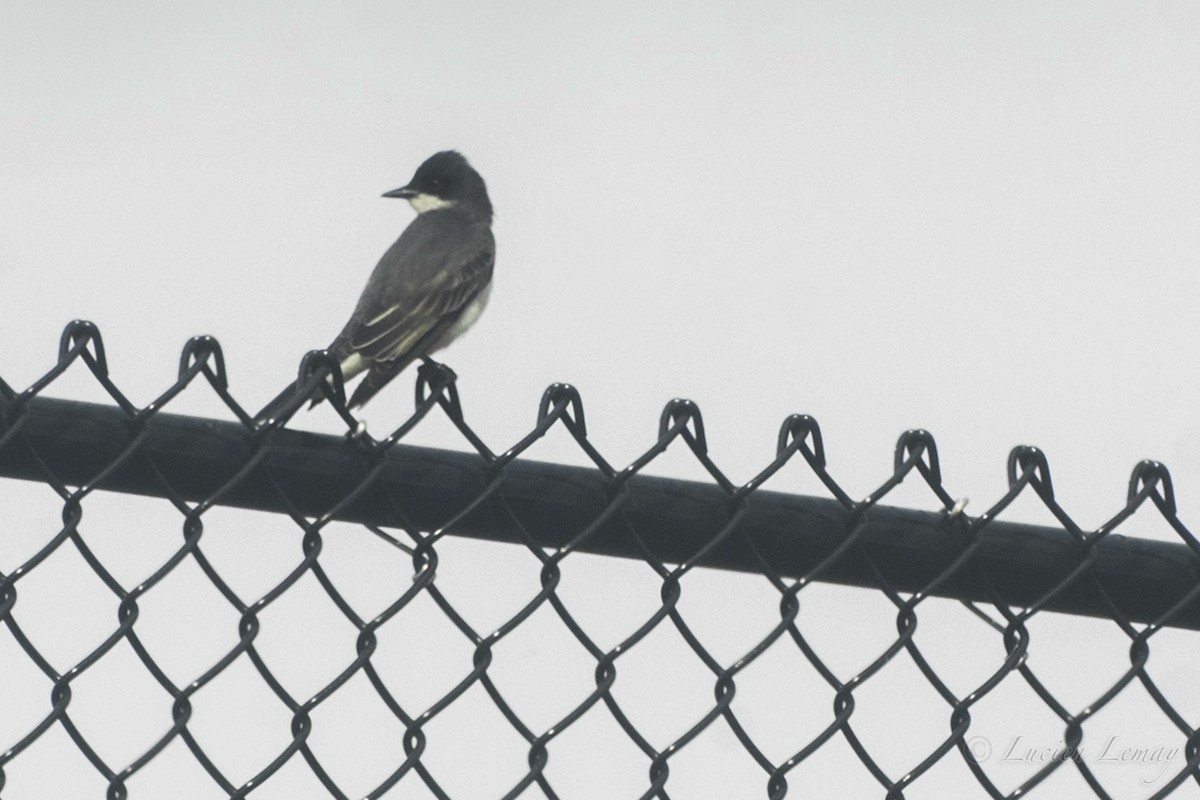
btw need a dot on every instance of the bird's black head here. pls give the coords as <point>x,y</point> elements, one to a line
<point>446,179</point>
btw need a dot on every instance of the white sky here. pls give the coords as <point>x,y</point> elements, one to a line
<point>976,218</point>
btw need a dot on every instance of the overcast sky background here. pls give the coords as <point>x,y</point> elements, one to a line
<point>975,218</point>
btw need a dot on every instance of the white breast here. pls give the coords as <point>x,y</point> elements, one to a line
<point>469,315</point>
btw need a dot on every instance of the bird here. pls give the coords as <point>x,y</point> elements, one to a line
<point>427,289</point>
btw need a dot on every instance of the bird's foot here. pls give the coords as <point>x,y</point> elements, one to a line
<point>435,372</point>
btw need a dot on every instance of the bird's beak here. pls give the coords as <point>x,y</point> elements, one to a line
<point>403,192</point>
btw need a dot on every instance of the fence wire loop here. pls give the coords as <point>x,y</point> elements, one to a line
<point>682,417</point>
<point>436,380</point>
<point>1154,478</point>
<point>76,339</point>
<point>918,445</point>
<point>1033,470</point>
<point>204,352</point>
<point>568,396</point>
<point>801,432</point>
<point>320,370</point>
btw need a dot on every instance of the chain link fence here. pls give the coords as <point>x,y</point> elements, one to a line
<point>373,727</point>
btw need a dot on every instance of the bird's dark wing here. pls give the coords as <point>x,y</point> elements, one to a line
<point>434,270</point>
<point>381,372</point>
<point>415,340</point>
<point>400,329</point>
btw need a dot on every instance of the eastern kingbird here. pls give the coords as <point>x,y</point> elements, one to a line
<point>429,286</point>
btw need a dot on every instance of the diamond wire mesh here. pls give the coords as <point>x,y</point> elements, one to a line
<point>800,437</point>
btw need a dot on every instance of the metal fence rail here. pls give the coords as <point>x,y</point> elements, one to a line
<point>1010,572</point>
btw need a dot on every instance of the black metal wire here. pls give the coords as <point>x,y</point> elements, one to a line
<point>1017,571</point>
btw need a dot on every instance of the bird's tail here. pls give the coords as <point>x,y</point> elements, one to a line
<point>328,362</point>
<point>286,403</point>
<point>378,376</point>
